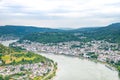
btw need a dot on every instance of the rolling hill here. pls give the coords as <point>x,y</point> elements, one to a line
<point>19,31</point>
<point>50,37</point>
<point>109,33</point>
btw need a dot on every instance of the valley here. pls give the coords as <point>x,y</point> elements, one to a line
<point>85,51</point>
<point>79,68</point>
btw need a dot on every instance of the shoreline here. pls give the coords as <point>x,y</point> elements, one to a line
<point>108,65</point>
<point>80,57</point>
<point>49,75</point>
<point>52,73</point>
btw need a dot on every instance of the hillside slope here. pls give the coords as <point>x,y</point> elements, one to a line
<point>52,37</point>
<point>23,30</point>
<point>109,33</point>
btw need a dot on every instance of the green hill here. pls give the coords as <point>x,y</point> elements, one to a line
<point>51,37</point>
<point>19,31</point>
<point>10,57</point>
<point>5,50</point>
<point>109,33</point>
<point>24,64</point>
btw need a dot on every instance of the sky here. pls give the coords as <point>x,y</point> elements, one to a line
<point>59,13</point>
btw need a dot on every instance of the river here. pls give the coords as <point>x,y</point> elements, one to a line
<point>6,43</point>
<point>71,68</point>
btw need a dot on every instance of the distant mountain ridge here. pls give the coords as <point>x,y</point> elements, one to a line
<point>87,29</point>
<point>110,33</point>
<point>113,26</point>
<point>22,30</point>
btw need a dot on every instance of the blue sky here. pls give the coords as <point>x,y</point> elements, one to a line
<point>59,13</point>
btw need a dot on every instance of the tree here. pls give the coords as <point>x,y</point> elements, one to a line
<point>6,78</point>
<point>1,77</point>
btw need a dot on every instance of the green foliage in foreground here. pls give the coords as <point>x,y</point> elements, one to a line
<point>4,77</point>
<point>9,56</point>
<point>28,58</point>
<point>116,65</point>
<point>20,57</point>
<point>5,50</point>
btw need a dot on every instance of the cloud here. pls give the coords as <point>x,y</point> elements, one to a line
<point>59,13</point>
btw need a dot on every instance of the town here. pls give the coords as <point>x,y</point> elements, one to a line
<point>26,71</point>
<point>101,50</point>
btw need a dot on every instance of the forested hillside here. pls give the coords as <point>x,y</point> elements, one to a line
<point>52,37</point>
<point>109,33</point>
<point>18,31</point>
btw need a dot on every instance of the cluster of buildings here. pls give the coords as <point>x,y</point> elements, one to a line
<point>104,51</point>
<point>29,70</point>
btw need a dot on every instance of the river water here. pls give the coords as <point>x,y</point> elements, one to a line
<point>6,43</point>
<point>71,68</point>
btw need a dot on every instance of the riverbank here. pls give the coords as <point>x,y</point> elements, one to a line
<point>96,51</point>
<point>70,68</point>
<point>34,66</point>
<point>108,65</point>
<point>52,73</point>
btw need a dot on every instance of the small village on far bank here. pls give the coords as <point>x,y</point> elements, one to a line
<point>100,50</point>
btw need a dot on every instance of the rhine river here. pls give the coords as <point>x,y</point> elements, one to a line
<point>71,68</point>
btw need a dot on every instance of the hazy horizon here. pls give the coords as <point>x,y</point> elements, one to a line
<point>59,13</point>
<point>62,28</point>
